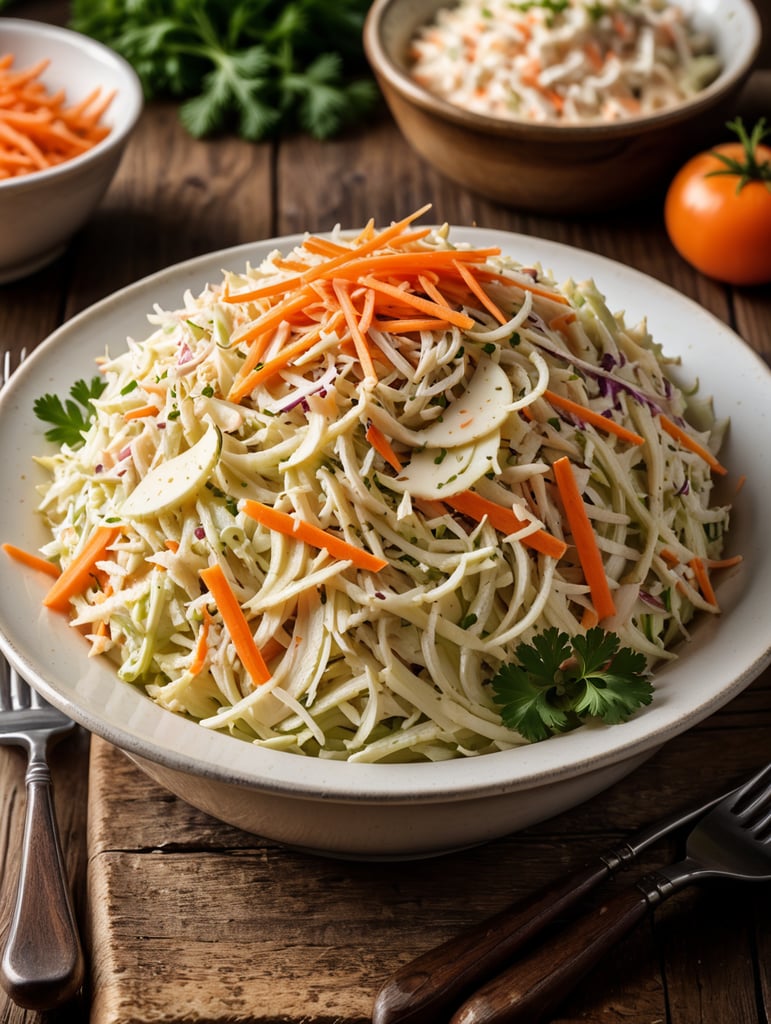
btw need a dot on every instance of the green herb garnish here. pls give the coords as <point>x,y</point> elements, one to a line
<point>71,417</point>
<point>560,681</point>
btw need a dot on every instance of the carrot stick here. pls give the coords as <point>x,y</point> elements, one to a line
<point>141,411</point>
<point>382,446</point>
<point>505,520</point>
<point>360,342</point>
<point>334,263</point>
<point>245,385</point>
<point>583,536</point>
<point>31,560</point>
<point>323,246</point>
<point>525,286</point>
<point>202,644</point>
<point>273,316</point>
<point>406,263</point>
<point>411,299</point>
<point>291,526</point>
<point>692,445</point>
<point>406,325</point>
<point>723,563</point>
<point>595,418</point>
<point>76,577</point>
<point>235,623</point>
<point>703,580</point>
<point>479,292</point>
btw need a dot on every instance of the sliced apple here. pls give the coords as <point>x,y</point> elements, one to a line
<point>170,484</point>
<point>442,472</point>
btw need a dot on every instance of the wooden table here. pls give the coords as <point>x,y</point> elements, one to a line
<point>191,920</point>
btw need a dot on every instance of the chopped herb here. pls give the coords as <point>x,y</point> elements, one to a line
<point>71,417</point>
<point>131,386</point>
<point>560,682</point>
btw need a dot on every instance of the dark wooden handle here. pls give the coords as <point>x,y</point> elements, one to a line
<point>42,965</point>
<point>526,992</point>
<point>429,988</point>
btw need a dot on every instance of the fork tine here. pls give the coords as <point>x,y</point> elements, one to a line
<point>5,685</point>
<point>19,690</point>
<point>8,364</point>
<point>753,798</point>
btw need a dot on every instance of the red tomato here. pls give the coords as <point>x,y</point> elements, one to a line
<point>719,225</point>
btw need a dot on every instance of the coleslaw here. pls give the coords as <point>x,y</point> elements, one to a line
<point>326,492</point>
<point>565,61</point>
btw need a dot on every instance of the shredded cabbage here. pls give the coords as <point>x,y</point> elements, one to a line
<point>569,61</point>
<point>388,665</point>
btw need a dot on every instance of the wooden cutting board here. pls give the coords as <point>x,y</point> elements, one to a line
<point>192,920</point>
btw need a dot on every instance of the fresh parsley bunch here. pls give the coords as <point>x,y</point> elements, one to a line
<point>253,66</point>
<point>561,681</point>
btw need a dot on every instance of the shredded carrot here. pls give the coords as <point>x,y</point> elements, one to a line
<point>244,385</point>
<point>76,577</point>
<point>703,580</point>
<point>525,286</point>
<point>141,412</point>
<point>31,560</point>
<point>272,649</point>
<point>382,445</point>
<point>172,545</point>
<point>558,323</point>
<point>291,526</point>
<point>505,520</point>
<point>424,305</point>
<point>723,563</point>
<point>589,618</point>
<point>407,325</point>
<point>333,265</point>
<point>692,445</point>
<point>37,129</point>
<point>669,557</point>
<point>235,623</point>
<point>352,320</point>
<point>583,536</point>
<point>202,644</point>
<point>479,292</point>
<point>596,419</point>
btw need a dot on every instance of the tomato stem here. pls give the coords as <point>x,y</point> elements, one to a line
<point>749,168</point>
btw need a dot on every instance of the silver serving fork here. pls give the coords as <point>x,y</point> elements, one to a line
<point>732,841</point>
<point>42,965</point>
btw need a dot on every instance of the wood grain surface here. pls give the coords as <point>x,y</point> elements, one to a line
<point>190,920</point>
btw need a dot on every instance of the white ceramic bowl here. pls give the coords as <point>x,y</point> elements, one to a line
<point>559,168</point>
<point>40,212</point>
<point>399,810</point>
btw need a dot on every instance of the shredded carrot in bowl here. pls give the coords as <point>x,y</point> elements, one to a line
<point>38,128</point>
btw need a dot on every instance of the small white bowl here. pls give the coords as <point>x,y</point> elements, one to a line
<point>41,211</point>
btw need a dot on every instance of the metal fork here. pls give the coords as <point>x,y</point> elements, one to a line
<point>732,841</point>
<point>42,965</point>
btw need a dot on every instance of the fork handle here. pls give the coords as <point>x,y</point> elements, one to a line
<point>427,988</point>
<point>534,985</point>
<point>42,965</point>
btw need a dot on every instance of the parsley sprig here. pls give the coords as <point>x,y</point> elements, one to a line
<point>253,66</point>
<point>72,416</point>
<point>560,681</point>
